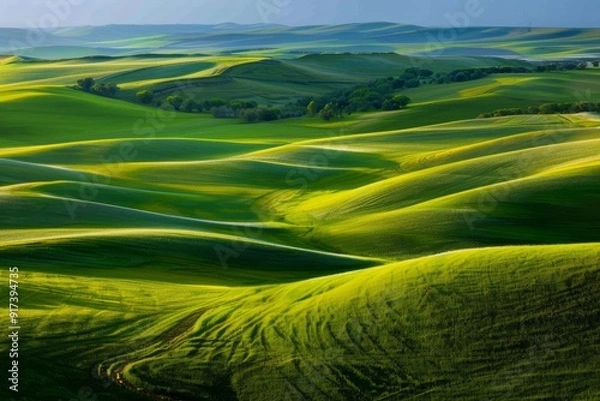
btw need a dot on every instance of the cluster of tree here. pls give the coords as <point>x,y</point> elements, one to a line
<point>218,107</point>
<point>548,108</point>
<point>181,103</point>
<point>260,114</point>
<point>565,66</point>
<point>471,74</point>
<point>375,95</point>
<point>336,108</point>
<point>145,96</point>
<point>379,94</point>
<point>249,111</point>
<point>90,85</point>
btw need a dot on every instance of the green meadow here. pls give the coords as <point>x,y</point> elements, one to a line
<point>415,254</point>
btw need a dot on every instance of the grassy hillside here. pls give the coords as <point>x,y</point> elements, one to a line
<point>229,77</point>
<point>418,254</point>
<point>277,82</point>
<point>143,70</point>
<point>515,323</point>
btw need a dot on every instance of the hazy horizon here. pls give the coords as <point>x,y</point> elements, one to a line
<point>428,13</point>
<point>304,25</point>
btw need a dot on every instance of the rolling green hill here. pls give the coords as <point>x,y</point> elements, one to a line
<point>418,254</point>
<point>515,323</point>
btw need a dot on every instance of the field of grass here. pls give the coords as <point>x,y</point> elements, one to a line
<point>419,254</point>
<point>515,323</point>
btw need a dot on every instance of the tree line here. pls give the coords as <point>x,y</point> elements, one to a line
<point>548,108</point>
<point>249,111</point>
<point>377,94</point>
<point>381,94</point>
<point>104,89</point>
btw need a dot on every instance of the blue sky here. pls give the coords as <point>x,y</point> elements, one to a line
<point>550,13</point>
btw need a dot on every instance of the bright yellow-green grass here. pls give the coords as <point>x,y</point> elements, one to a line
<point>514,323</point>
<point>420,254</point>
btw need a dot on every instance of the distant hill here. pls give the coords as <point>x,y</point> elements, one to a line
<point>271,39</point>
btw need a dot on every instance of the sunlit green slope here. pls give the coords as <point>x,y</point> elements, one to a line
<point>420,254</point>
<point>514,323</point>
